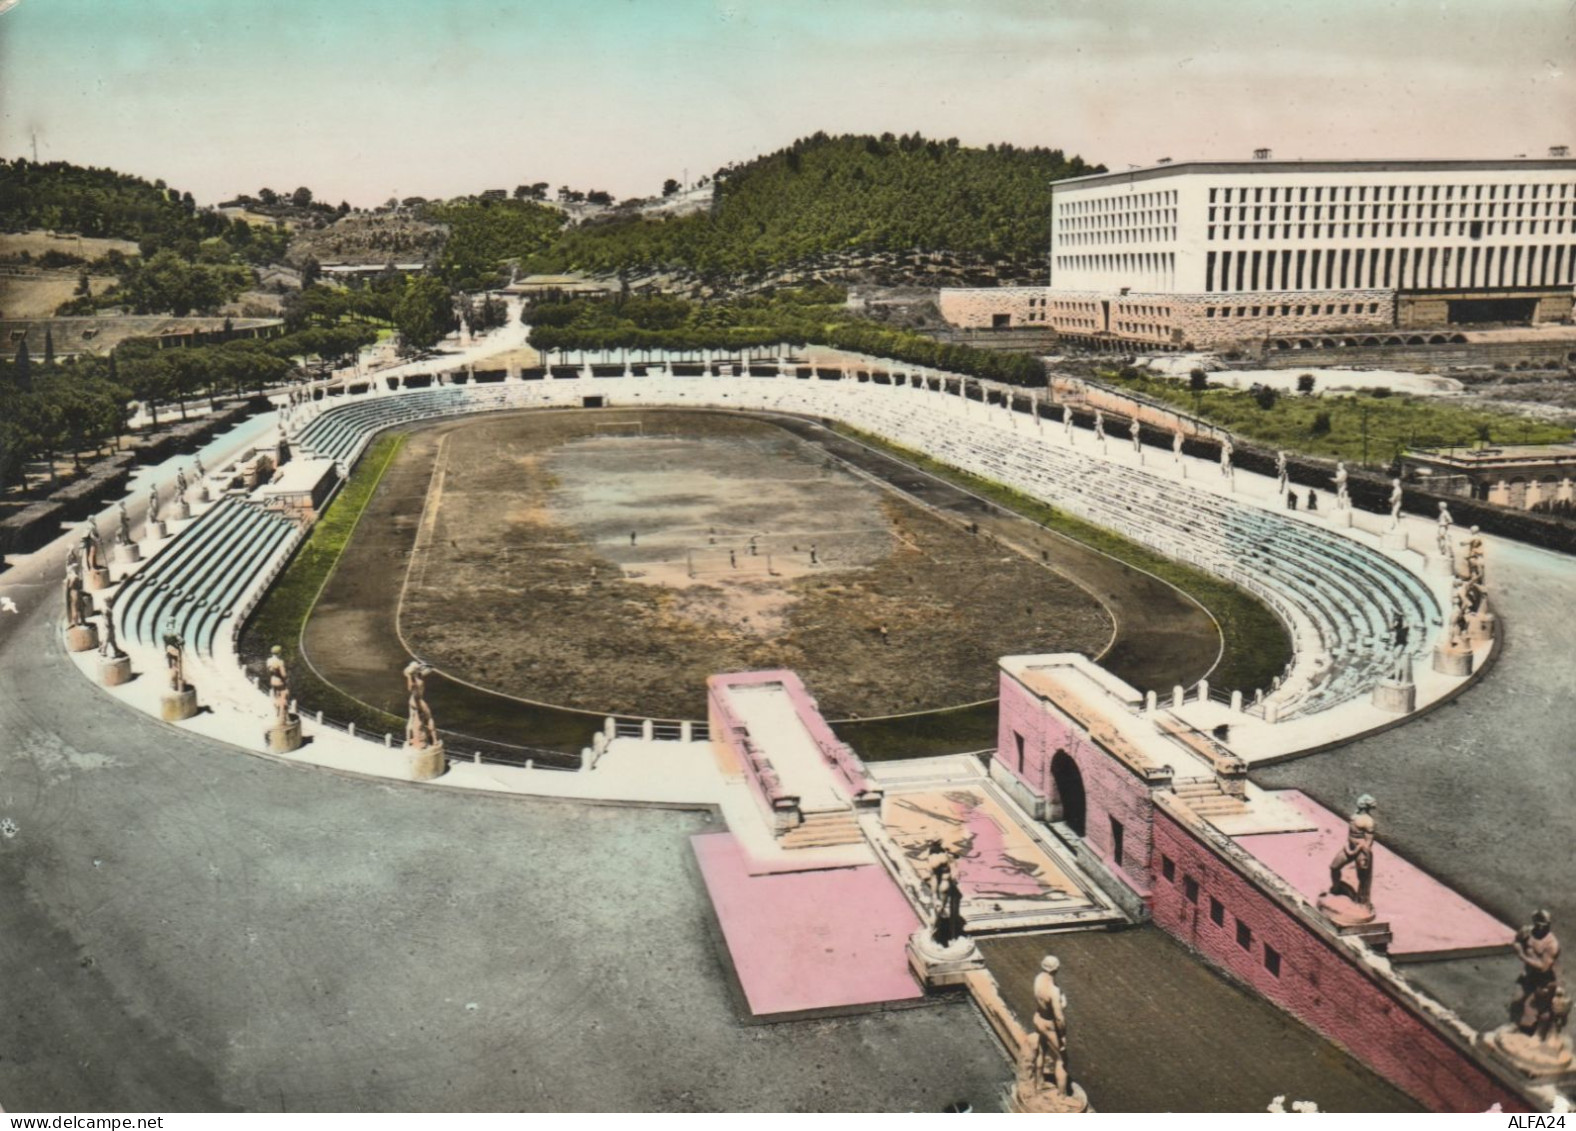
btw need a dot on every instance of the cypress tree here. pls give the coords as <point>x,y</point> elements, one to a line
<point>49,347</point>
<point>24,366</point>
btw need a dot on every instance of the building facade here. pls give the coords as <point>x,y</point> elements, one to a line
<point>1213,253</point>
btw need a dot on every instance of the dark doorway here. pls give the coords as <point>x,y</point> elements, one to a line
<point>1069,790</point>
<point>1465,311</point>
<point>1000,321</point>
<point>591,402</point>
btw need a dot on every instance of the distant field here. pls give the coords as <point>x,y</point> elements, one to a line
<point>37,242</point>
<point>40,297</point>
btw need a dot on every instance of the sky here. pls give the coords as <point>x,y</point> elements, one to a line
<point>365,99</point>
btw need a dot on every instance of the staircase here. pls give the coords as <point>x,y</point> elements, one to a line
<point>824,829</point>
<point>1207,798</point>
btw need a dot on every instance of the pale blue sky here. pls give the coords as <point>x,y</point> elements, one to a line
<point>361,99</point>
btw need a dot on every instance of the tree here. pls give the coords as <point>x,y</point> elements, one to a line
<point>344,208</point>
<point>267,196</point>
<point>669,187</point>
<point>1305,384</point>
<point>599,196</point>
<point>423,314</point>
<point>23,367</point>
<point>84,286</point>
<point>1265,396</point>
<point>311,271</point>
<point>49,348</point>
<point>1197,381</point>
<point>302,197</point>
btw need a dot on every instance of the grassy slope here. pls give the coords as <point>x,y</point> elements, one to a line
<point>1256,644</point>
<point>282,616</point>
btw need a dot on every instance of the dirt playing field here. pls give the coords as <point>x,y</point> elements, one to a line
<point>611,561</point>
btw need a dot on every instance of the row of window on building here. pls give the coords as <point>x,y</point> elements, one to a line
<point>1545,190</point>
<point>1117,202</point>
<point>1268,955</point>
<point>1151,264</point>
<point>1472,229</point>
<point>1423,268</point>
<point>1291,310</point>
<point>1122,235</point>
<point>1142,329</point>
<point>1501,210</point>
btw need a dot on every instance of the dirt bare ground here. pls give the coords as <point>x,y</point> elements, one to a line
<point>568,558</point>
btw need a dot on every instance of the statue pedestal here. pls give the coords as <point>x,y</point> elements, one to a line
<point>938,966</point>
<point>203,496</point>
<point>1529,1055</point>
<point>426,762</point>
<point>177,705</point>
<point>114,670</point>
<point>156,530</point>
<point>183,510</point>
<point>82,638</point>
<point>1393,540</point>
<point>1453,661</point>
<point>284,738</point>
<point>1341,516</point>
<point>1391,695</point>
<point>1350,918</point>
<point>1480,627</point>
<point>95,579</point>
<point>1441,565</point>
<point>128,552</point>
<point>1046,1101</point>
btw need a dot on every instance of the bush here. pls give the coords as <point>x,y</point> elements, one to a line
<point>1265,396</point>
<point>1321,425</point>
<point>1305,384</point>
<point>1379,391</point>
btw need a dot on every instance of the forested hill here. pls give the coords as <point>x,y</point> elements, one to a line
<point>63,197</point>
<point>824,195</point>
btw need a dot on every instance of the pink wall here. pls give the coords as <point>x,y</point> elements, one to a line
<point>1110,789</point>
<point>1317,983</point>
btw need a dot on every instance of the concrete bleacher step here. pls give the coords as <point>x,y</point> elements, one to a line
<point>824,830</point>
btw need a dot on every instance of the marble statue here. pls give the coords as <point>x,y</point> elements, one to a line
<point>1535,1039</point>
<point>1442,537</point>
<point>1043,1084</point>
<point>941,878</point>
<point>1099,425</point>
<point>1176,445</point>
<point>1343,500</point>
<point>76,597</point>
<point>153,504</point>
<point>91,548</point>
<point>279,685</point>
<point>123,535</point>
<point>1226,451</point>
<point>180,484</point>
<point>175,659</point>
<point>1358,855</point>
<point>1281,474</point>
<point>1540,1008</point>
<point>109,646</point>
<point>1396,498</point>
<point>420,731</point>
<point>1067,421</point>
<point>197,460</point>
<point>1400,637</point>
<point>1133,431</point>
<point>1050,1028</point>
<point>1476,566</point>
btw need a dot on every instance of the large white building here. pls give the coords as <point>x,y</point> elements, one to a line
<point>1210,253</point>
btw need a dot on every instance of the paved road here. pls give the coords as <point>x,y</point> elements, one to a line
<point>188,927</point>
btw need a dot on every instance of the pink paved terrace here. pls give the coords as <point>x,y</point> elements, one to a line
<point>808,940</point>
<point>1425,917</point>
